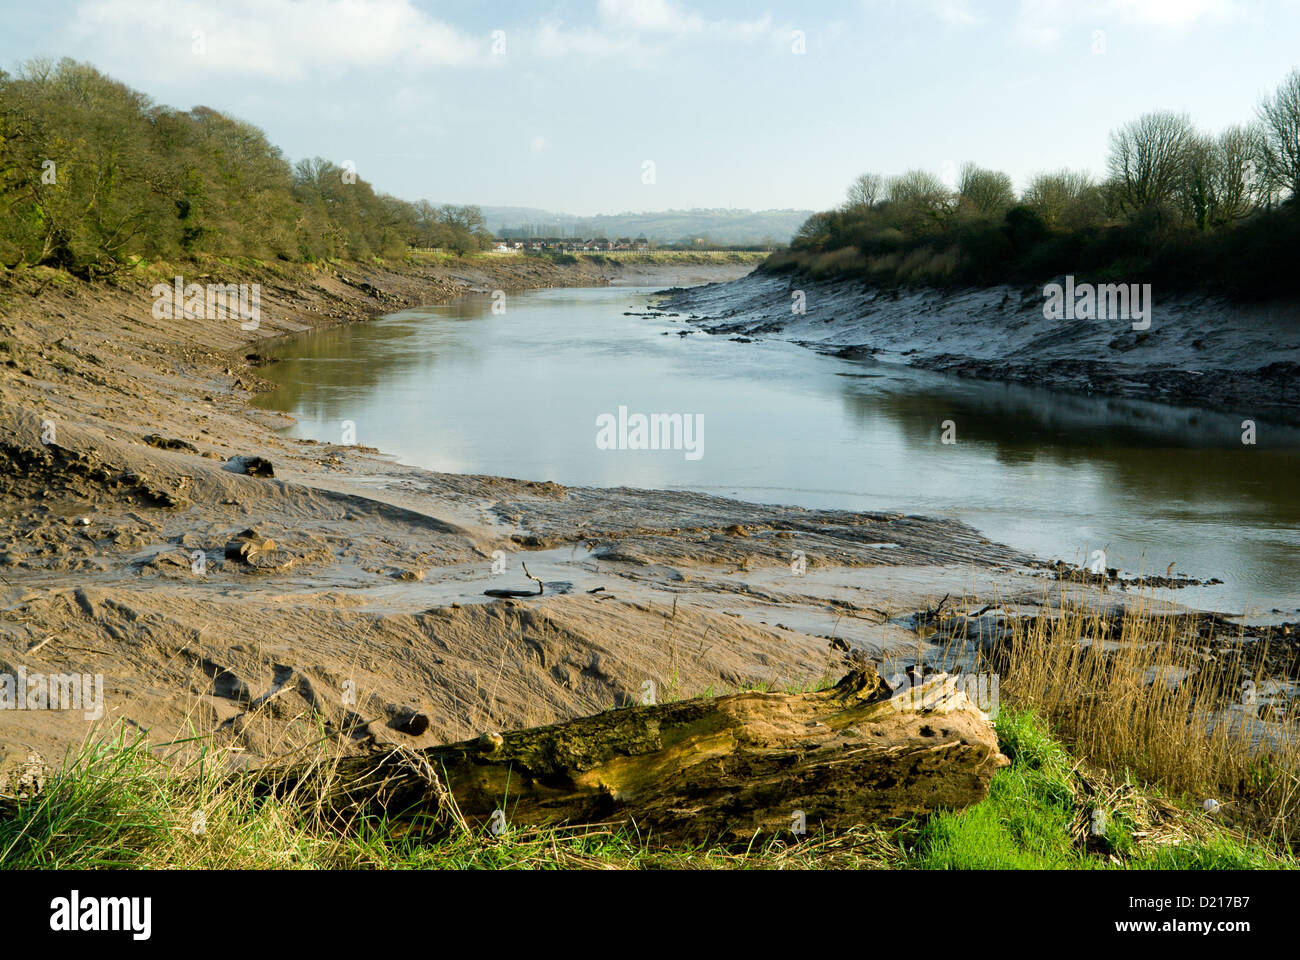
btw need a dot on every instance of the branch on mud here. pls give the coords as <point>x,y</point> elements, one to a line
<point>541,588</point>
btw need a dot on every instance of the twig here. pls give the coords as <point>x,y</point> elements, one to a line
<point>931,614</point>
<point>41,644</point>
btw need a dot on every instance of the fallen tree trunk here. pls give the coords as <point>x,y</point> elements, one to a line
<point>707,770</point>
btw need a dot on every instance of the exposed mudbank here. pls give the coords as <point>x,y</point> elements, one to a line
<point>1236,358</point>
<point>230,582</point>
<point>256,606</point>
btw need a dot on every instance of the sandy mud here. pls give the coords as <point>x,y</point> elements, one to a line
<point>225,582</point>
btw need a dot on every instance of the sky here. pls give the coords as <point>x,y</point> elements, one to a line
<point>607,106</point>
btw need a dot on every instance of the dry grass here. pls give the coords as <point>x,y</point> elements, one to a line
<point>1145,692</point>
<point>117,804</point>
<point>923,265</point>
<point>836,263</point>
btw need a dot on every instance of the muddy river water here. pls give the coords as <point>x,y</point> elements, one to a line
<point>548,385</point>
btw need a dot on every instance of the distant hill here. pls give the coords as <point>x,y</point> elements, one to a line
<point>720,226</point>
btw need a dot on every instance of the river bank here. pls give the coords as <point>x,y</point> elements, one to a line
<point>250,599</point>
<point>1239,359</point>
<point>225,581</point>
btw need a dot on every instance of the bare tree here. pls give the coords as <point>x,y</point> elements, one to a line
<point>1147,158</point>
<point>866,191</point>
<point>919,201</point>
<point>916,185</point>
<point>1196,188</point>
<point>1280,118</point>
<point>1065,199</point>
<point>989,192</point>
<point>1240,182</point>
<point>1220,176</point>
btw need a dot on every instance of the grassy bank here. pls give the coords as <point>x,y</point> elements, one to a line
<point>116,806</point>
<point>297,294</point>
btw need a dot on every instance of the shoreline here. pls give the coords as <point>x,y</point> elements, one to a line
<point>1198,351</point>
<point>347,589</point>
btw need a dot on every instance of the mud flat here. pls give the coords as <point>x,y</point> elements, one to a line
<point>224,581</point>
<point>1241,359</point>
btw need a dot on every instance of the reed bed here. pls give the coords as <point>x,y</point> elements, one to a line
<point>1177,700</point>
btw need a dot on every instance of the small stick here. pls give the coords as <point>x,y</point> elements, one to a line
<point>511,594</point>
<point>41,644</point>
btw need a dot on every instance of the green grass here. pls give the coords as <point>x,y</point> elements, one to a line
<point>1024,823</point>
<point>435,257</point>
<point>116,805</point>
<point>1037,808</point>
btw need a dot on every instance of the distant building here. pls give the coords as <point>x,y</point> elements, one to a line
<point>574,245</point>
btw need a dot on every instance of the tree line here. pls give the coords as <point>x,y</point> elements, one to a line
<point>93,173</point>
<point>1170,191</point>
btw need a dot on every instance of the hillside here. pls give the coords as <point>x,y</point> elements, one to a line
<point>719,226</point>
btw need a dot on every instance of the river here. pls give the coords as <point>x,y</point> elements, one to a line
<point>515,386</point>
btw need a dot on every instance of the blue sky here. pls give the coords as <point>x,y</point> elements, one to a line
<point>564,107</point>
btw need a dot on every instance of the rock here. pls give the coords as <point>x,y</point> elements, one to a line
<point>408,720</point>
<point>247,545</point>
<point>258,553</point>
<point>29,780</point>
<point>171,563</point>
<point>167,443</point>
<point>252,466</point>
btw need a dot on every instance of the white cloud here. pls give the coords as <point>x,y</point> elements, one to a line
<point>1043,23</point>
<point>956,13</point>
<point>271,38</point>
<point>539,145</point>
<point>1173,12</point>
<point>953,13</point>
<point>1039,22</point>
<point>636,29</point>
<point>652,16</point>
<point>554,40</point>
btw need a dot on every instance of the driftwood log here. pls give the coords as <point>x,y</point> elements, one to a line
<point>709,770</point>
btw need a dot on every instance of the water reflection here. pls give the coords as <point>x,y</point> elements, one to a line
<point>461,387</point>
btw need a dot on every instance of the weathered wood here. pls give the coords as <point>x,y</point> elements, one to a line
<point>707,770</point>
